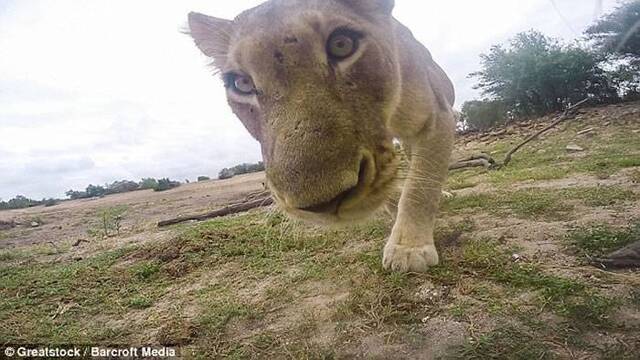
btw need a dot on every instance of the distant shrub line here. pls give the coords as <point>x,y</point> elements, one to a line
<point>124,186</point>
<point>22,202</point>
<point>228,173</point>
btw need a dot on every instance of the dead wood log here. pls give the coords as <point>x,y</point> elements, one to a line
<point>627,257</point>
<point>565,116</point>
<point>478,160</point>
<point>227,210</point>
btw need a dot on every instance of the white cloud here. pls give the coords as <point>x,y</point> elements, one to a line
<point>116,91</point>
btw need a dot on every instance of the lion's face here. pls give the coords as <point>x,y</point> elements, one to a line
<point>315,82</point>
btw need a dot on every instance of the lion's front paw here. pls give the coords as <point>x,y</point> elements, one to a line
<point>409,258</point>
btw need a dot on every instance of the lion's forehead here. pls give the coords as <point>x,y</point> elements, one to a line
<point>278,16</point>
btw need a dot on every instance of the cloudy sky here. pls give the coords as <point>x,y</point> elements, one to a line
<point>96,91</point>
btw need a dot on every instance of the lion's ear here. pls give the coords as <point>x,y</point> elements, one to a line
<point>376,6</point>
<point>211,35</point>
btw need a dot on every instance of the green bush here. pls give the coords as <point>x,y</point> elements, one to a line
<point>19,202</point>
<point>535,75</point>
<point>148,183</point>
<point>50,202</point>
<point>166,184</point>
<point>109,222</point>
<point>245,168</point>
<point>483,114</point>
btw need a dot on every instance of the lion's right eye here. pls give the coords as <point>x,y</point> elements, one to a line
<point>343,43</point>
<point>242,84</point>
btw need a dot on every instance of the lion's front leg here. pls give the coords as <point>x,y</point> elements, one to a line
<point>410,247</point>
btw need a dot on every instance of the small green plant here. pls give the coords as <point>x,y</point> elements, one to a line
<point>140,302</point>
<point>109,222</point>
<point>145,270</point>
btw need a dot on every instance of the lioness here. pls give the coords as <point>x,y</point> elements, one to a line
<point>326,86</point>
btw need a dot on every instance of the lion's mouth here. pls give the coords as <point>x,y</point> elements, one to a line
<point>366,176</point>
<point>357,202</point>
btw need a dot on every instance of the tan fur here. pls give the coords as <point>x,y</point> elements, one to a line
<point>327,128</point>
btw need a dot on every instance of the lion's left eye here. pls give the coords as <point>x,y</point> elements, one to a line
<point>342,44</point>
<point>241,84</point>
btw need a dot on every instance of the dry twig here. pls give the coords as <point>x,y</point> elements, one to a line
<point>565,116</point>
<point>227,210</point>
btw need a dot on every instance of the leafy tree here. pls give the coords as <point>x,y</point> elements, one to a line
<point>536,75</point>
<point>483,114</point>
<point>166,184</point>
<point>617,36</point>
<point>118,187</point>
<point>74,195</point>
<point>244,168</point>
<point>19,202</point>
<point>148,183</point>
<point>203,178</point>
<point>50,202</point>
<point>626,77</point>
<point>95,191</point>
<point>225,174</point>
<point>619,32</point>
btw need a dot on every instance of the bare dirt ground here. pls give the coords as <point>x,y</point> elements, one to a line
<point>70,220</point>
<point>515,280</point>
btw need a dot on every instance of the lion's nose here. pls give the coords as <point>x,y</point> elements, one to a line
<point>365,172</point>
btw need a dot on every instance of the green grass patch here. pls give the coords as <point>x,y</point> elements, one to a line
<point>600,195</point>
<point>534,203</point>
<point>487,260</point>
<point>140,302</point>
<point>9,255</point>
<point>511,175</point>
<point>459,181</point>
<point>540,204</point>
<point>145,270</point>
<point>220,308</point>
<point>508,343</point>
<point>601,239</point>
<point>264,246</point>
<point>606,164</point>
<point>32,293</point>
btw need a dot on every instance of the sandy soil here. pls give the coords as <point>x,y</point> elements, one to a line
<point>69,221</point>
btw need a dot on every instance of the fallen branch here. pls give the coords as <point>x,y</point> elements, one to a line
<point>566,115</point>
<point>227,210</point>
<point>479,160</point>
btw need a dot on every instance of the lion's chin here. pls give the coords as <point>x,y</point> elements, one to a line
<point>347,212</point>
<point>338,218</point>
